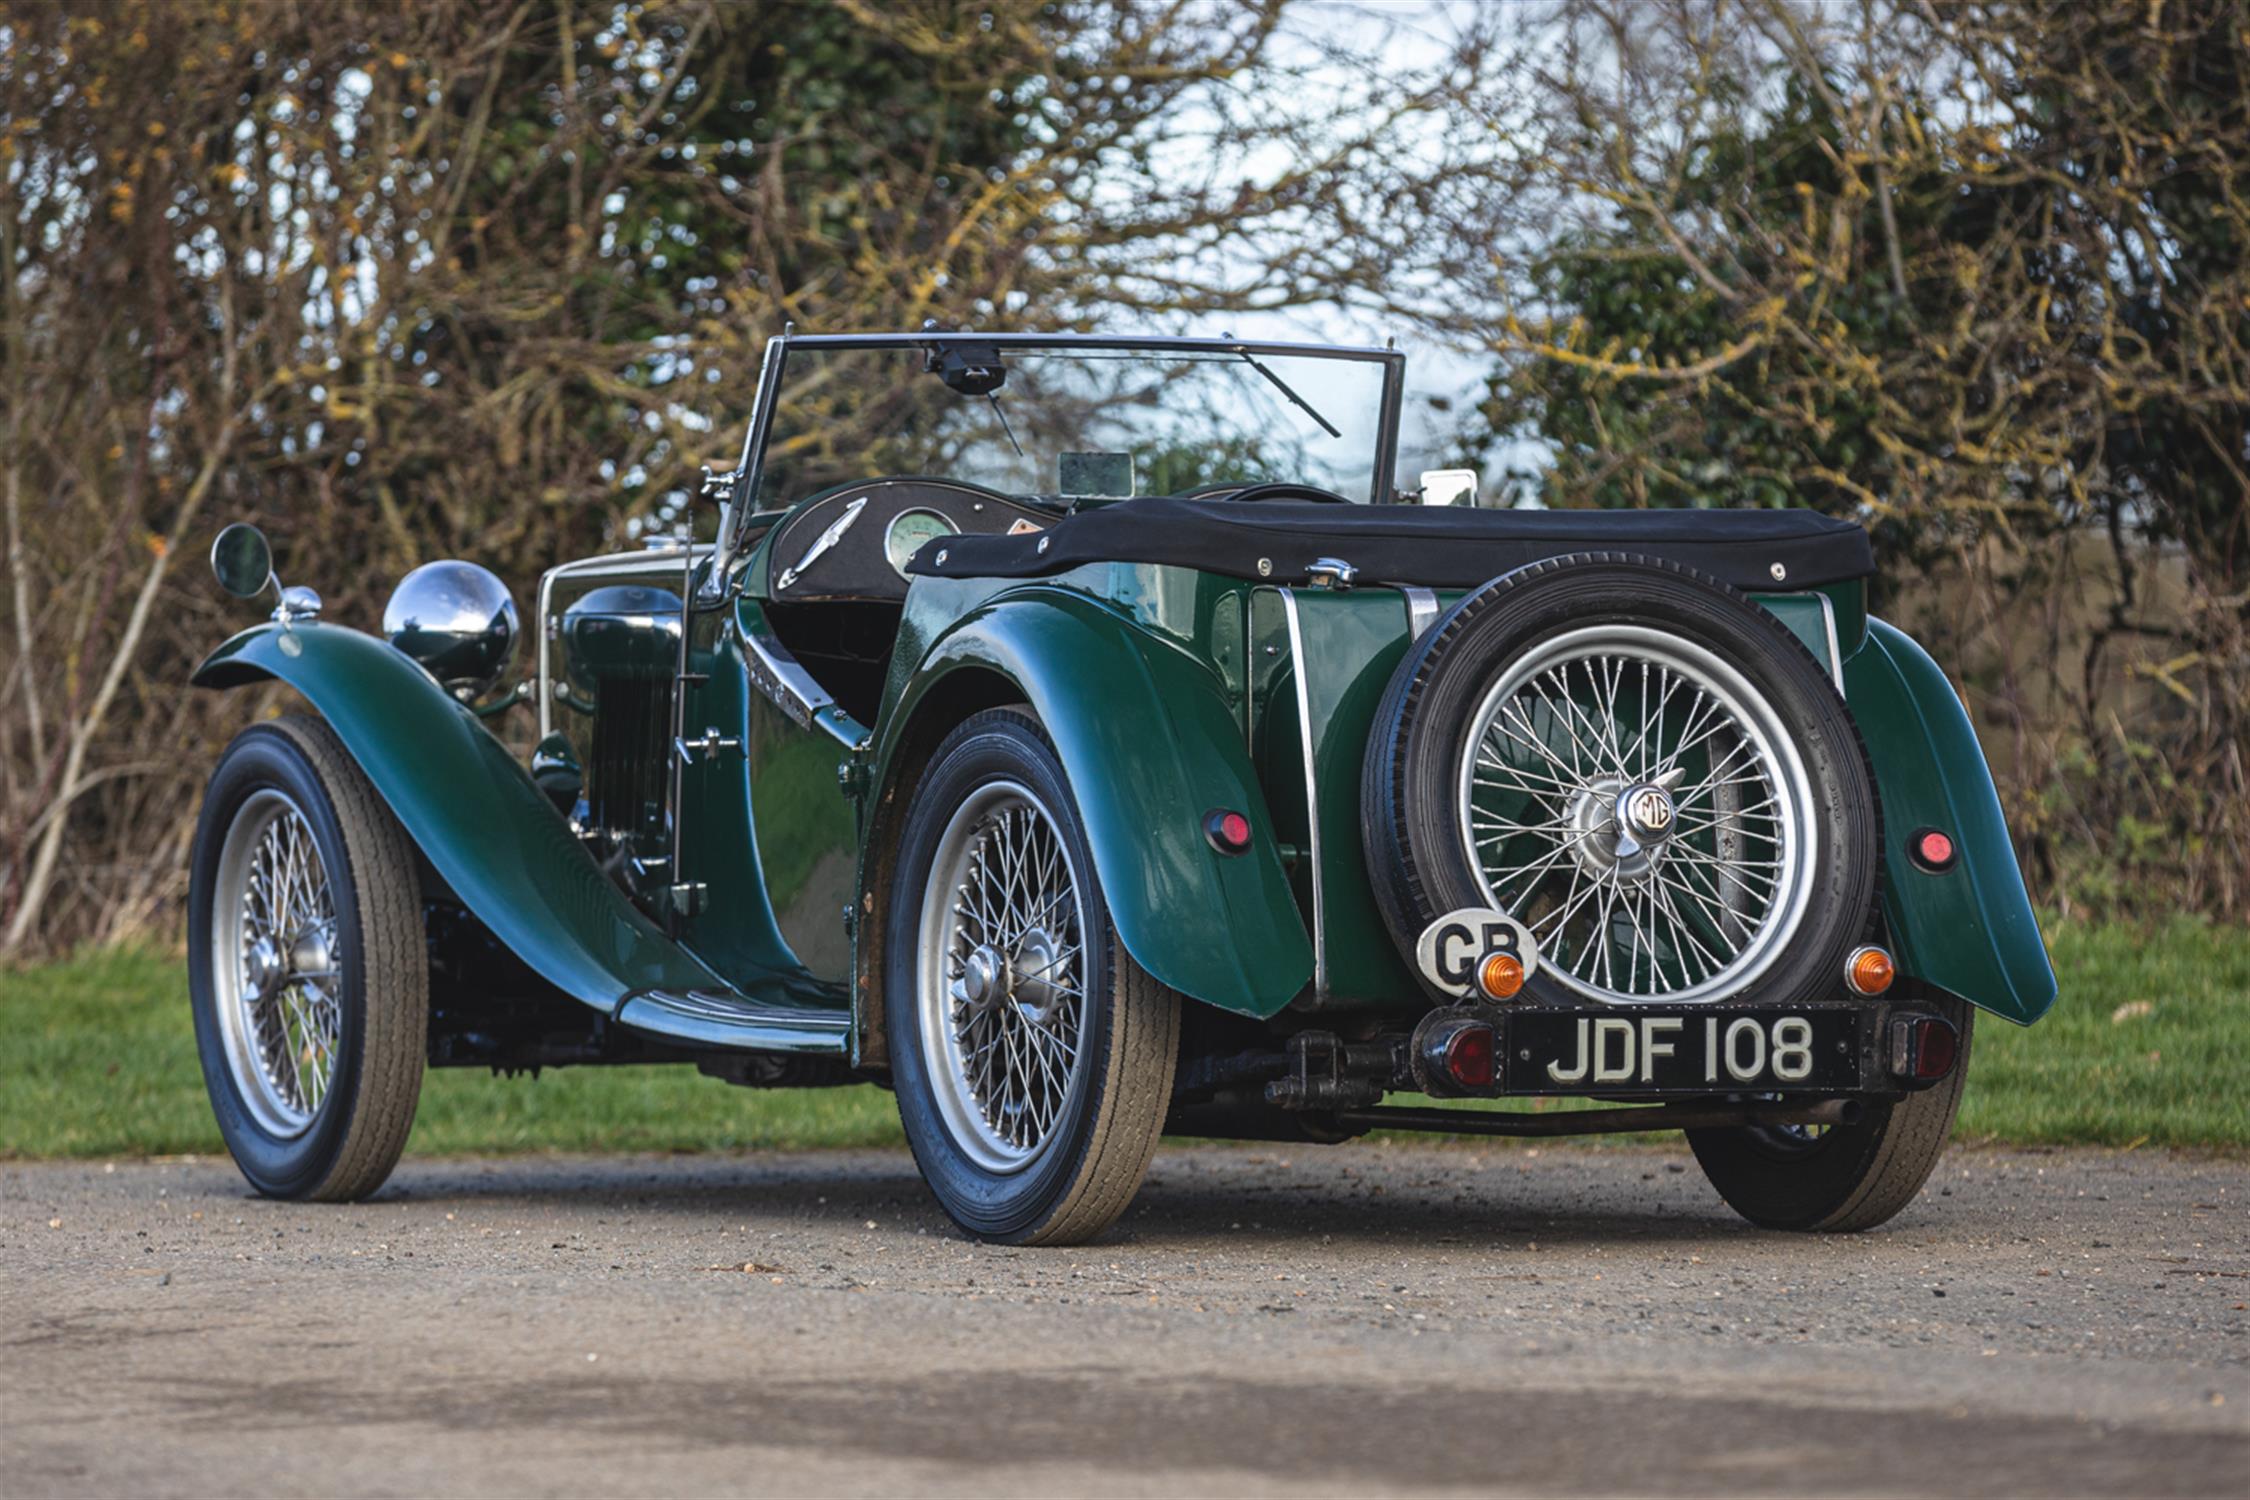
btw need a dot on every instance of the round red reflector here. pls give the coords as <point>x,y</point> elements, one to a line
<point>1229,832</point>
<point>1933,849</point>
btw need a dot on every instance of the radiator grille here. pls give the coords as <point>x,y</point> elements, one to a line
<point>632,731</point>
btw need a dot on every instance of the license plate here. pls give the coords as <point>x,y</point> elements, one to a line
<point>1766,1050</point>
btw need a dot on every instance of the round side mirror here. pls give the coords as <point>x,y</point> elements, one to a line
<point>242,560</point>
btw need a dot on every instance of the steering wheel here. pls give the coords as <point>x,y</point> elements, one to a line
<point>1287,490</point>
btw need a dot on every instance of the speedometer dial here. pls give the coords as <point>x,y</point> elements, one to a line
<point>910,531</point>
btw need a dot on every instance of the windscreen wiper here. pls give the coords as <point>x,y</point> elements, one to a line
<point>1283,386</point>
<point>994,398</point>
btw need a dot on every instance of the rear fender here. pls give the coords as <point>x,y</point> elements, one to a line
<point>1968,929</point>
<point>481,821</point>
<point>1150,747</point>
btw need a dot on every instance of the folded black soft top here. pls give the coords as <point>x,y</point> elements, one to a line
<point>1437,547</point>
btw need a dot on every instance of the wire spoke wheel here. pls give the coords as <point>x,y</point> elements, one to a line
<point>1634,800</point>
<point>1003,977</point>
<point>274,942</point>
<point>308,964</point>
<point>1032,1058</point>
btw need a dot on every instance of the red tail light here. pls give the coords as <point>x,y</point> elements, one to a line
<point>1457,1055</point>
<point>1924,1048</point>
<point>1469,1057</point>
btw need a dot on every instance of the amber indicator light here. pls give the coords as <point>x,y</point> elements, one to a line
<point>1869,971</point>
<point>1500,975</point>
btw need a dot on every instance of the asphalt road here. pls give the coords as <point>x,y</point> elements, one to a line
<point>1363,1320</point>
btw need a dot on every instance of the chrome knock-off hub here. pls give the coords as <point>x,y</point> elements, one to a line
<point>1618,827</point>
<point>1026,979</point>
<point>262,966</point>
<point>1646,812</point>
<point>1032,976</point>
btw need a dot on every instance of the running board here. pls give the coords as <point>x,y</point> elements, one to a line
<point>736,1022</point>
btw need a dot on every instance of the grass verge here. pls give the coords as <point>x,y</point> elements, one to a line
<point>2150,1044</point>
<point>102,1063</point>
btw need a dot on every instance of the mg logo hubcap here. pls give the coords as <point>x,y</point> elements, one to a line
<point>1646,811</point>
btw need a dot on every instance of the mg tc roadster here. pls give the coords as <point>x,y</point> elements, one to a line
<point>1085,739</point>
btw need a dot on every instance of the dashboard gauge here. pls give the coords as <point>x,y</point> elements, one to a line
<point>910,531</point>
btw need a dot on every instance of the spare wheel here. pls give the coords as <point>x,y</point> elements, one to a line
<point>1643,767</point>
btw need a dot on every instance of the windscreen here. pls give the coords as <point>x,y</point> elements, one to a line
<point>1075,424</point>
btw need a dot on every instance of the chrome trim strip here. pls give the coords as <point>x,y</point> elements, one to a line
<point>1421,611</point>
<point>728,1022</point>
<point>1312,790</point>
<point>1156,343</point>
<point>777,674</point>
<point>670,560</point>
<point>1835,647</point>
<point>749,469</point>
<point>540,624</point>
<point>821,545</point>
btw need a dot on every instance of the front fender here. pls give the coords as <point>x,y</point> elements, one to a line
<point>481,821</point>
<point>1969,929</point>
<point>1150,748</point>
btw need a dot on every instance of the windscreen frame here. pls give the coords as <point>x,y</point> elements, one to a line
<point>773,373</point>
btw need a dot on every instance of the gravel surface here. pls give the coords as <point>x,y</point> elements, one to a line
<point>1369,1319</point>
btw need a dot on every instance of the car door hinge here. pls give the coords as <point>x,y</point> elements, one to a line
<point>852,775</point>
<point>686,898</point>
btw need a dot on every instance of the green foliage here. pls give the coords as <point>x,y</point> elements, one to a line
<point>1758,430</point>
<point>1972,275</point>
<point>401,282</point>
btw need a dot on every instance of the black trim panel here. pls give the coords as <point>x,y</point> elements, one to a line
<point>1435,547</point>
<point>856,566</point>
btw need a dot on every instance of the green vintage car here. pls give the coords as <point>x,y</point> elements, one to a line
<point>1083,738</point>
